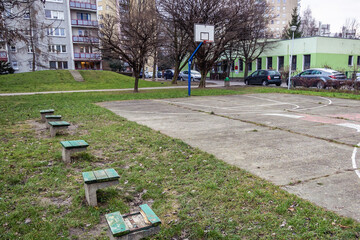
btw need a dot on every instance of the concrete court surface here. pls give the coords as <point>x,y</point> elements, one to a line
<point>305,144</point>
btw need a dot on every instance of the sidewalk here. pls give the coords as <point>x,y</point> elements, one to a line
<point>215,84</point>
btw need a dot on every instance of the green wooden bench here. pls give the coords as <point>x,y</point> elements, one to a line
<point>43,113</point>
<point>52,118</point>
<point>57,126</point>
<point>136,225</point>
<point>95,180</point>
<point>70,147</point>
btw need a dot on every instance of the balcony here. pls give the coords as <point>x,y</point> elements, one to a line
<point>85,23</point>
<point>88,56</point>
<point>83,5</point>
<point>3,56</point>
<point>84,39</point>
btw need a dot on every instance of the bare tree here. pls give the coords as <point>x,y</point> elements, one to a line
<point>131,34</point>
<point>308,24</point>
<point>10,10</point>
<point>350,28</point>
<point>251,35</point>
<point>177,39</point>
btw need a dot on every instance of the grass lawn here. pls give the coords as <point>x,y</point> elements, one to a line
<point>195,195</point>
<point>61,80</point>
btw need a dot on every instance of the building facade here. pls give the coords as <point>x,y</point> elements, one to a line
<point>314,52</point>
<point>61,34</point>
<point>281,11</point>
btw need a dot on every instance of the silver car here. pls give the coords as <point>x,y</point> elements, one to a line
<point>195,75</point>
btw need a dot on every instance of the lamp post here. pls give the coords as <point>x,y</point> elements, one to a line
<point>292,29</point>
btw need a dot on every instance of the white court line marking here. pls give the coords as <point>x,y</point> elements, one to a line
<point>284,115</point>
<point>330,102</point>
<point>350,125</point>
<point>270,100</point>
<point>353,158</point>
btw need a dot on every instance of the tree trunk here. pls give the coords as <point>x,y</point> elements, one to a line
<point>136,86</point>
<point>154,67</point>
<point>176,73</point>
<point>246,70</point>
<point>202,83</point>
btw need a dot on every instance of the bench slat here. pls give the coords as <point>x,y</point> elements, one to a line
<point>100,175</point>
<point>52,116</point>
<point>59,124</point>
<point>89,177</point>
<point>117,224</point>
<point>47,111</point>
<point>148,213</point>
<point>111,173</point>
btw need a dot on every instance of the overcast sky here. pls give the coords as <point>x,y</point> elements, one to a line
<point>333,12</point>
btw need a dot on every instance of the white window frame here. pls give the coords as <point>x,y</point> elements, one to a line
<point>55,14</point>
<point>13,49</point>
<point>51,32</point>
<point>29,48</point>
<point>53,48</point>
<point>352,60</point>
<point>55,1</point>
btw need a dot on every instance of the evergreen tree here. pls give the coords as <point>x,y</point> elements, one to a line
<point>295,21</point>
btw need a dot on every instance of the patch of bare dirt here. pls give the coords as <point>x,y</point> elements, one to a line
<point>56,201</point>
<point>89,231</point>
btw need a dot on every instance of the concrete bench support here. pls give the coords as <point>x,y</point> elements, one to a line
<point>71,147</point>
<point>43,113</point>
<point>133,226</point>
<point>95,180</point>
<point>57,126</point>
<point>52,118</point>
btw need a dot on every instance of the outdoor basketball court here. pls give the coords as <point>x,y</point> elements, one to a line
<point>305,144</point>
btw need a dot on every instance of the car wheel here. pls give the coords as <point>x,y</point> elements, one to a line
<point>293,84</point>
<point>192,79</point>
<point>182,79</point>
<point>278,84</point>
<point>320,85</point>
<point>246,82</point>
<point>265,83</point>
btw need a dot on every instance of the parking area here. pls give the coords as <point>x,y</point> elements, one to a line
<point>305,144</point>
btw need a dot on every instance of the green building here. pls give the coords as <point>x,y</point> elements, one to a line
<point>313,52</point>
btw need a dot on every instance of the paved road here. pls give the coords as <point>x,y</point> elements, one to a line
<point>302,143</point>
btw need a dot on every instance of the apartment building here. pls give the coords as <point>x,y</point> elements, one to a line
<point>60,34</point>
<point>281,12</point>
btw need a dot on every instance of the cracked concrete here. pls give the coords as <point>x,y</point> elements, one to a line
<point>297,142</point>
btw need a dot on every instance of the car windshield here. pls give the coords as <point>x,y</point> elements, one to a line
<point>194,72</point>
<point>274,73</point>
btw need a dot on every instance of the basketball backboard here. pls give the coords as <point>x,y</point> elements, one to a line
<point>203,32</point>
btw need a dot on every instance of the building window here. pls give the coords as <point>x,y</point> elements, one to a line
<point>280,63</point>
<point>250,66</point>
<point>83,16</point>
<point>284,1</point>
<point>307,61</point>
<point>358,60</point>
<point>100,8</point>
<point>14,65</point>
<point>27,15</point>
<point>52,65</point>
<point>241,65</point>
<point>2,46</point>
<point>12,48</point>
<point>269,62</point>
<point>350,60</point>
<point>51,14</point>
<point>30,49</point>
<point>57,48</point>
<point>294,62</point>
<point>31,65</point>
<point>232,69</point>
<point>284,8</point>
<point>56,32</point>
<point>62,65</point>
<point>258,64</point>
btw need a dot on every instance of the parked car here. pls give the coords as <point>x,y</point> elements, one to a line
<point>169,74</point>
<point>320,78</point>
<point>195,75</point>
<point>264,77</point>
<point>146,75</point>
<point>159,74</point>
